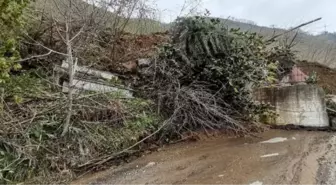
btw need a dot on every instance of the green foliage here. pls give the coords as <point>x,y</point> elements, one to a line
<point>264,113</point>
<point>142,117</point>
<point>24,86</point>
<point>10,22</point>
<point>13,166</point>
<point>284,58</point>
<point>231,60</point>
<point>8,57</point>
<point>312,78</point>
<point>11,12</point>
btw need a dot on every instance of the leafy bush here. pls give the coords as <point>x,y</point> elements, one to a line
<point>26,85</point>
<point>312,78</point>
<point>10,22</point>
<point>284,57</point>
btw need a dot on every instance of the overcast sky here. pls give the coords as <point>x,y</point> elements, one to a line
<point>281,13</point>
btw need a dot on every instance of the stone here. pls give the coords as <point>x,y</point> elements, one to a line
<point>150,164</point>
<point>257,183</point>
<point>269,155</point>
<point>130,66</point>
<point>275,140</point>
<point>144,62</point>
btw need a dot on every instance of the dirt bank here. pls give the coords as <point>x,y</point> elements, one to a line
<point>296,157</point>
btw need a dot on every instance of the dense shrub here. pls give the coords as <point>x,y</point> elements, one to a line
<point>11,21</point>
<point>206,76</point>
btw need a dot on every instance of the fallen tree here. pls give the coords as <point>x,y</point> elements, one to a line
<point>204,79</point>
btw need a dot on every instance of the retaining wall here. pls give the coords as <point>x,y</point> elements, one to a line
<point>302,105</point>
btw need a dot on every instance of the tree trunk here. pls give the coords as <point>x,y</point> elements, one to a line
<point>71,73</point>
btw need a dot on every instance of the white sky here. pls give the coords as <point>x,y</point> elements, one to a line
<point>281,13</point>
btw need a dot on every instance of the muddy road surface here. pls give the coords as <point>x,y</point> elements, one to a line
<point>276,157</point>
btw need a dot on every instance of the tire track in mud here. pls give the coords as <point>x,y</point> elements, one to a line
<point>327,170</point>
<point>311,165</point>
<point>309,158</point>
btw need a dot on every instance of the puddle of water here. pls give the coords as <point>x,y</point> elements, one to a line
<point>269,155</point>
<point>274,140</point>
<point>257,183</point>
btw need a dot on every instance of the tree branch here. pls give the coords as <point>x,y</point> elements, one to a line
<point>36,56</point>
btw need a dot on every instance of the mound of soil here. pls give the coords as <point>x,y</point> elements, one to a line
<point>325,75</point>
<point>123,54</point>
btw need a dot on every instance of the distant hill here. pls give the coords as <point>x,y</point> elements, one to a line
<point>331,37</point>
<point>313,48</point>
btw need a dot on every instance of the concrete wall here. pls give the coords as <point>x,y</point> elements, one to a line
<point>302,105</point>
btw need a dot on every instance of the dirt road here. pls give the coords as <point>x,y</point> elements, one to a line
<point>278,157</point>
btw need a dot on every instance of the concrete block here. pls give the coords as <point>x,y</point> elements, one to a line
<point>80,85</point>
<point>88,71</point>
<point>302,105</point>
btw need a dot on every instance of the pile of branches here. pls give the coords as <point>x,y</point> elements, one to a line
<point>205,77</point>
<point>31,143</point>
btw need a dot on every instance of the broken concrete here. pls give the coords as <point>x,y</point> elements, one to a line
<point>88,71</point>
<point>80,85</point>
<point>144,62</point>
<point>82,80</point>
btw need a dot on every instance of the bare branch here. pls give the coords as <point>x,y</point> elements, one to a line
<point>296,27</point>
<point>57,29</point>
<point>77,34</point>
<point>36,56</point>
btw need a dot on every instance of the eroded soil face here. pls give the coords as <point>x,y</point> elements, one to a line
<point>276,157</point>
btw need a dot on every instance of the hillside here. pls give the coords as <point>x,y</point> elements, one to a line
<point>315,48</point>
<point>320,48</point>
<point>143,24</point>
